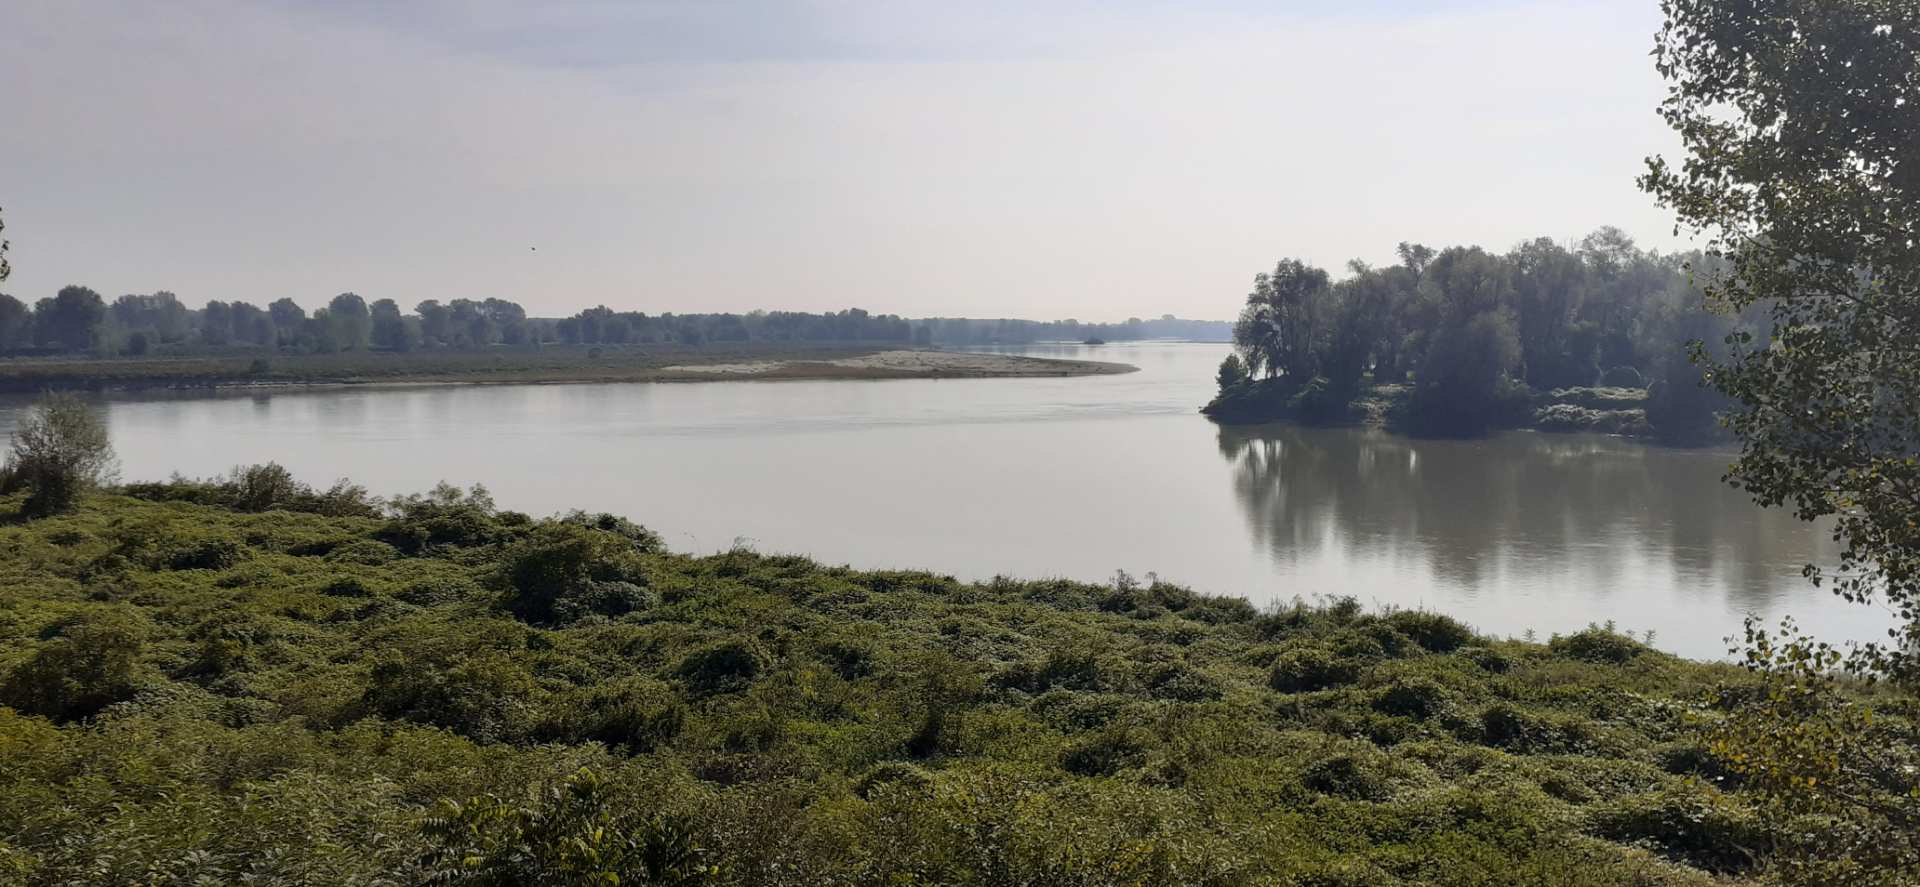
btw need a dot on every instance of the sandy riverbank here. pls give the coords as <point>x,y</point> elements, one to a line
<point>903,364</point>
<point>523,366</point>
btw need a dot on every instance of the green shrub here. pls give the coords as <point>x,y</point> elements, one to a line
<point>1372,640</point>
<point>1418,698</point>
<point>1596,644</point>
<point>1308,668</point>
<point>445,516</point>
<point>263,487</point>
<point>1432,631</point>
<point>204,554</point>
<point>577,832</point>
<point>634,714</point>
<point>563,571</point>
<point>1106,751</point>
<point>1073,667</point>
<point>1694,759</point>
<point>1488,659</point>
<point>1280,621</point>
<point>724,667</point>
<point>91,662</point>
<point>439,590</point>
<point>643,539</point>
<point>850,659</point>
<point>366,552</point>
<point>596,598</point>
<point>346,586</point>
<point>1504,725</point>
<point>1696,825</point>
<point>486,697</point>
<point>1352,775</point>
<point>1602,398</point>
<point>1318,401</point>
<point>1071,712</point>
<point>228,642</point>
<point>61,451</point>
<point>1181,682</point>
<point>891,776</point>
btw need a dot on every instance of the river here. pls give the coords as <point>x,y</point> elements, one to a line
<point>1075,477</point>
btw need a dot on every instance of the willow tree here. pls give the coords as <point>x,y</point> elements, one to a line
<point>1286,316</point>
<point>1801,122</point>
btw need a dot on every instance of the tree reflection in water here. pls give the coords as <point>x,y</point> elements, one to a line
<point>1522,507</point>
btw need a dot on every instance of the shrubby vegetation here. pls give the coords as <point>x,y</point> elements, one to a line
<point>247,679</point>
<point>1460,340</point>
<point>60,451</point>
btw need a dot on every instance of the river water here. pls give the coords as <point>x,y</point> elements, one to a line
<point>1075,477</point>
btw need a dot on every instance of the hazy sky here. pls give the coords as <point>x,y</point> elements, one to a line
<point>985,158</point>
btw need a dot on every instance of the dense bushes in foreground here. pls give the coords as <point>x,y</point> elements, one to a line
<point>196,691</point>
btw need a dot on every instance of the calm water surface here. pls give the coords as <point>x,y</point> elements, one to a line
<point>1065,477</point>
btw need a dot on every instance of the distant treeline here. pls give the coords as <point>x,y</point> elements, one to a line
<point>1008,331</point>
<point>79,320</point>
<point>602,325</point>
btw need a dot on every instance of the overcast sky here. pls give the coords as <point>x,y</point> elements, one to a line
<point>924,157</point>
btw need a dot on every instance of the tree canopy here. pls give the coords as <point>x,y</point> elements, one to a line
<point>1474,330</point>
<point>1801,122</point>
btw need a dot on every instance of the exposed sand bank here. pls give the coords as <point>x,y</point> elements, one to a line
<point>903,364</point>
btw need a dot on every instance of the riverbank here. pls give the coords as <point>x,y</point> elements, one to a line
<point>220,672</point>
<point>528,365</point>
<point>1600,410</point>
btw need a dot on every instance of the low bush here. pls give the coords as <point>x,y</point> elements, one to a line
<point>724,667</point>
<point>1349,774</point>
<point>1434,632</point>
<point>89,663</point>
<point>1308,668</point>
<point>1106,751</point>
<point>1697,826</point>
<point>634,715</point>
<point>1597,644</point>
<point>1418,698</point>
<point>1504,725</point>
<point>564,571</point>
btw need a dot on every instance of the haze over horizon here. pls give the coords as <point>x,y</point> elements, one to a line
<point>1089,160</point>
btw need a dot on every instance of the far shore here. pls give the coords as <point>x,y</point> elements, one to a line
<point>532,366</point>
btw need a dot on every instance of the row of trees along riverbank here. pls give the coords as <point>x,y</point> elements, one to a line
<point>79,321</point>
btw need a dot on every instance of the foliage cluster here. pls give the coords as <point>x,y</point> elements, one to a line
<point>1800,120</point>
<point>59,451</point>
<point>195,688</point>
<point>1476,333</point>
